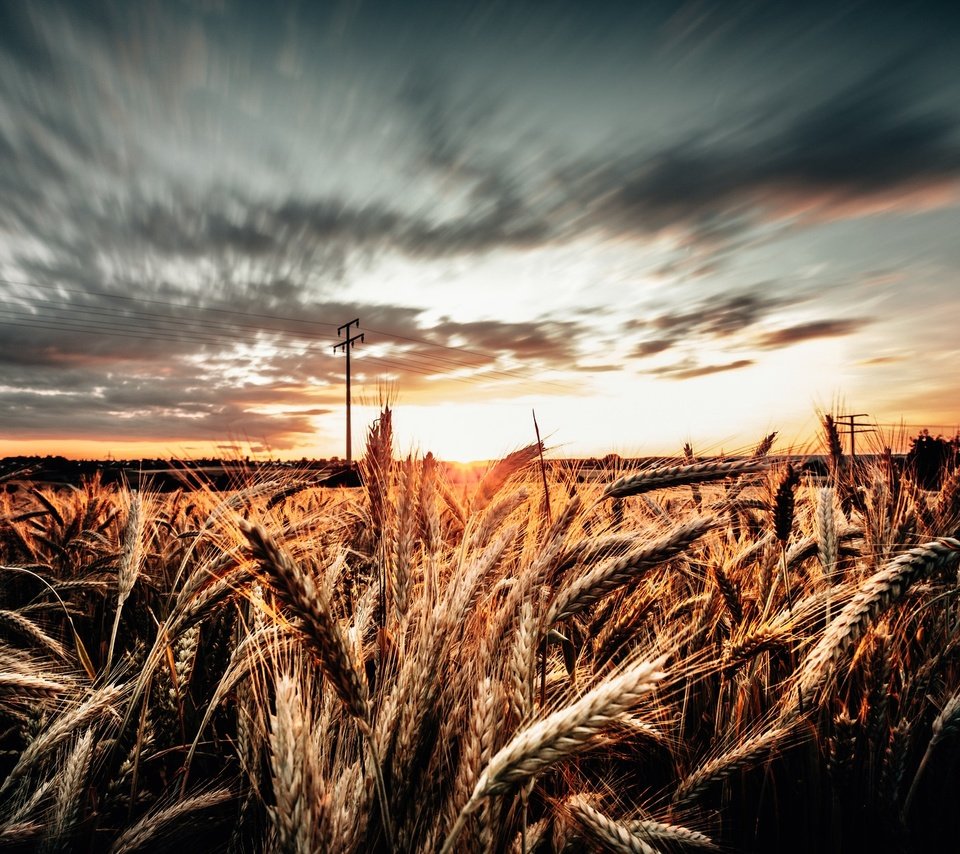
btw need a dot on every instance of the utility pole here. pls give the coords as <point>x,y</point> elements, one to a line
<point>348,344</point>
<point>855,428</point>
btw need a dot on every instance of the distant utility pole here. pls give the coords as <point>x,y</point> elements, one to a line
<point>348,344</point>
<point>855,428</point>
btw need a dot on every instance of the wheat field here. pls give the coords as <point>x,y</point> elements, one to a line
<point>716,654</point>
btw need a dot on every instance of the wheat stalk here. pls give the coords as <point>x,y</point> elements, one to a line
<point>60,729</point>
<point>671,834</point>
<point>291,760</point>
<point>319,624</point>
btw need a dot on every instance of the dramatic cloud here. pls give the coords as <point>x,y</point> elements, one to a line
<point>195,199</point>
<point>868,141</point>
<point>809,331</point>
<point>716,318</point>
<point>688,371</point>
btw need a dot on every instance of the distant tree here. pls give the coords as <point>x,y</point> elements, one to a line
<point>931,458</point>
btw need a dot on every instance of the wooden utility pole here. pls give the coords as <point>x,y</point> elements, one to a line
<point>348,344</point>
<point>855,428</point>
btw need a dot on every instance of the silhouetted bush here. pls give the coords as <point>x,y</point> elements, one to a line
<point>931,458</point>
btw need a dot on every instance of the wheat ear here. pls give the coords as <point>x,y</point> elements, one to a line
<point>945,724</point>
<point>563,734</point>
<point>603,579</point>
<point>719,769</point>
<point>879,592</point>
<point>609,834</point>
<point>129,566</point>
<point>324,633</point>
<point>662,477</point>
<point>146,830</point>
<point>319,624</point>
<point>71,786</point>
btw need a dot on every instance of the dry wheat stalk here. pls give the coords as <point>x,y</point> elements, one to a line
<point>766,638</point>
<point>130,562</point>
<point>739,757</point>
<point>155,822</point>
<point>609,834</point>
<point>521,662</point>
<point>783,504</point>
<point>944,725</point>
<point>493,481</point>
<point>828,543</point>
<point>21,683</point>
<point>413,696</point>
<point>69,796</point>
<point>662,477</point>
<point>562,734</point>
<point>874,596</point>
<point>403,540</point>
<point>60,728</point>
<point>495,516</point>
<point>530,838</point>
<point>946,510</point>
<point>24,626</point>
<point>319,624</point>
<point>19,833</point>
<point>832,436</point>
<point>671,834</point>
<point>478,745</point>
<point>731,595</point>
<point>292,764</point>
<point>601,580</point>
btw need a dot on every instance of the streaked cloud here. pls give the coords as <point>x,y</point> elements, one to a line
<point>192,199</point>
<point>689,371</point>
<point>810,331</point>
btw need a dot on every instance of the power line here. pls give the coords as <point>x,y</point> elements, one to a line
<point>89,327</point>
<point>398,367</point>
<point>136,314</point>
<point>186,329</point>
<point>109,295</point>
<point>181,333</point>
<point>107,312</point>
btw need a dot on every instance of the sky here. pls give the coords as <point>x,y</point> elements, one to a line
<point>648,222</point>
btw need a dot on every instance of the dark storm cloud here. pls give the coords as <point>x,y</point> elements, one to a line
<point>722,315</point>
<point>20,38</point>
<point>845,150</point>
<point>45,326</point>
<point>831,151</point>
<point>809,331</point>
